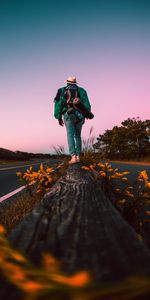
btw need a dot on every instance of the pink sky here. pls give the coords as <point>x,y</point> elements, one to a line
<point>115,92</point>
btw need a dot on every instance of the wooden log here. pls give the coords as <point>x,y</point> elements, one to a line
<point>79,225</point>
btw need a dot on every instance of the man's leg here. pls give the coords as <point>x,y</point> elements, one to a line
<point>70,128</point>
<point>78,128</point>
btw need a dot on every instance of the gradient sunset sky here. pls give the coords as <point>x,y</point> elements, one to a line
<point>105,44</point>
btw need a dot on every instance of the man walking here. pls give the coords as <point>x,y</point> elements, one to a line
<point>67,113</point>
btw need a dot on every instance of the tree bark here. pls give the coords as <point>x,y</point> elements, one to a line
<point>79,225</point>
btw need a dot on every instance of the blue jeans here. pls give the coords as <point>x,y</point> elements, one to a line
<point>73,133</point>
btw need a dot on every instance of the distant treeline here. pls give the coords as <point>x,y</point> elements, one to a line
<point>6,154</point>
<point>131,140</point>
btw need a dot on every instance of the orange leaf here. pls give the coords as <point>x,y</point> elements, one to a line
<point>2,229</point>
<point>31,286</point>
<point>77,280</point>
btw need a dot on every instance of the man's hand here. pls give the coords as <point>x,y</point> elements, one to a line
<point>61,123</point>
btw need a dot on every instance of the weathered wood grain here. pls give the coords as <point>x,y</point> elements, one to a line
<point>78,224</point>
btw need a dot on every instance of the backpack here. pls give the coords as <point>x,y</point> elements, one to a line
<point>69,95</point>
<point>74,103</point>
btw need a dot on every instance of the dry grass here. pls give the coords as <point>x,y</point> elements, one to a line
<point>16,210</point>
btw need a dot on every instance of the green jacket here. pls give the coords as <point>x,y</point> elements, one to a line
<point>60,107</point>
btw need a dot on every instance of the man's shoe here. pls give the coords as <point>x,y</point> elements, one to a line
<point>73,159</point>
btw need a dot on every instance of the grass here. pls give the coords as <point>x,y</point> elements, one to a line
<point>18,208</point>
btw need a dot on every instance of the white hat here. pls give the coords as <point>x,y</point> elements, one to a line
<point>71,80</point>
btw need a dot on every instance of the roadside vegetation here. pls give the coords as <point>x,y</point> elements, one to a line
<point>130,141</point>
<point>132,200</point>
<point>37,183</point>
<point>8,156</point>
<point>16,209</point>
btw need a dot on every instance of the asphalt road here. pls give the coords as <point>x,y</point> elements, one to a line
<point>133,169</point>
<point>9,181</point>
